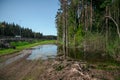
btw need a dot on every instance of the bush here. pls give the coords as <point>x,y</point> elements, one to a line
<point>94,43</point>
<point>113,47</point>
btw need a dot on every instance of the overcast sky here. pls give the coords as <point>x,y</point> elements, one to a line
<point>38,15</point>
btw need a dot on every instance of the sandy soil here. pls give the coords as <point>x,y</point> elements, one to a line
<point>52,69</point>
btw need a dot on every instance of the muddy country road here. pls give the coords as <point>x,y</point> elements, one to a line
<point>43,63</point>
<point>26,64</point>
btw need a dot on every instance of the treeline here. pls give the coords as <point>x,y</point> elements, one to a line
<point>15,30</point>
<point>92,25</point>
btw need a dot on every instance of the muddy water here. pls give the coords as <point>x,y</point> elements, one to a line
<point>38,52</point>
<point>89,57</point>
<point>43,52</point>
<point>50,51</point>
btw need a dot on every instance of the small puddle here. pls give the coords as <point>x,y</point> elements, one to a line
<point>43,52</point>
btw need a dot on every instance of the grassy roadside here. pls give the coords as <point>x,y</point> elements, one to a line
<point>19,48</point>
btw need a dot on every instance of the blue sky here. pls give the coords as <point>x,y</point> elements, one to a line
<point>38,15</point>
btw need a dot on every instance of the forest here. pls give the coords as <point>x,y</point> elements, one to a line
<point>12,30</point>
<point>90,25</point>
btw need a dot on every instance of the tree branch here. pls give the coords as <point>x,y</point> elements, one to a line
<point>115,24</point>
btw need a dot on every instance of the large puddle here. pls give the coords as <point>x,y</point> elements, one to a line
<point>39,52</point>
<point>50,51</point>
<point>43,52</point>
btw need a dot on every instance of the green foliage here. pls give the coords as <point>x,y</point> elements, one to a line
<point>71,31</point>
<point>98,37</point>
<point>79,36</point>
<point>106,3</point>
<point>95,42</point>
<point>113,47</point>
<point>19,43</point>
<point>110,65</point>
<point>118,78</point>
<point>59,26</point>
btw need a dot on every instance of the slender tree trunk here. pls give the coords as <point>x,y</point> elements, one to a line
<point>65,44</point>
<point>86,29</point>
<point>74,26</point>
<point>106,21</point>
<point>66,25</point>
<point>91,14</point>
<point>64,50</point>
<point>82,18</point>
<point>86,18</point>
<point>118,21</point>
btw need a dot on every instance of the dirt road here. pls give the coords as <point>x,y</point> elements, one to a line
<point>23,69</point>
<point>51,69</point>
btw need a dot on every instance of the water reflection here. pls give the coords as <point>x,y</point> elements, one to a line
<point>39,52</point>
<point>50,51</point>
<point>94,57</point>
<point>43,52</point>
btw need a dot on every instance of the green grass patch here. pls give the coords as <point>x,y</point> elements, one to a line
<point>20,43</point>
<point>117,78</point>
<point>109,66</point>
<point>24,45</point>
